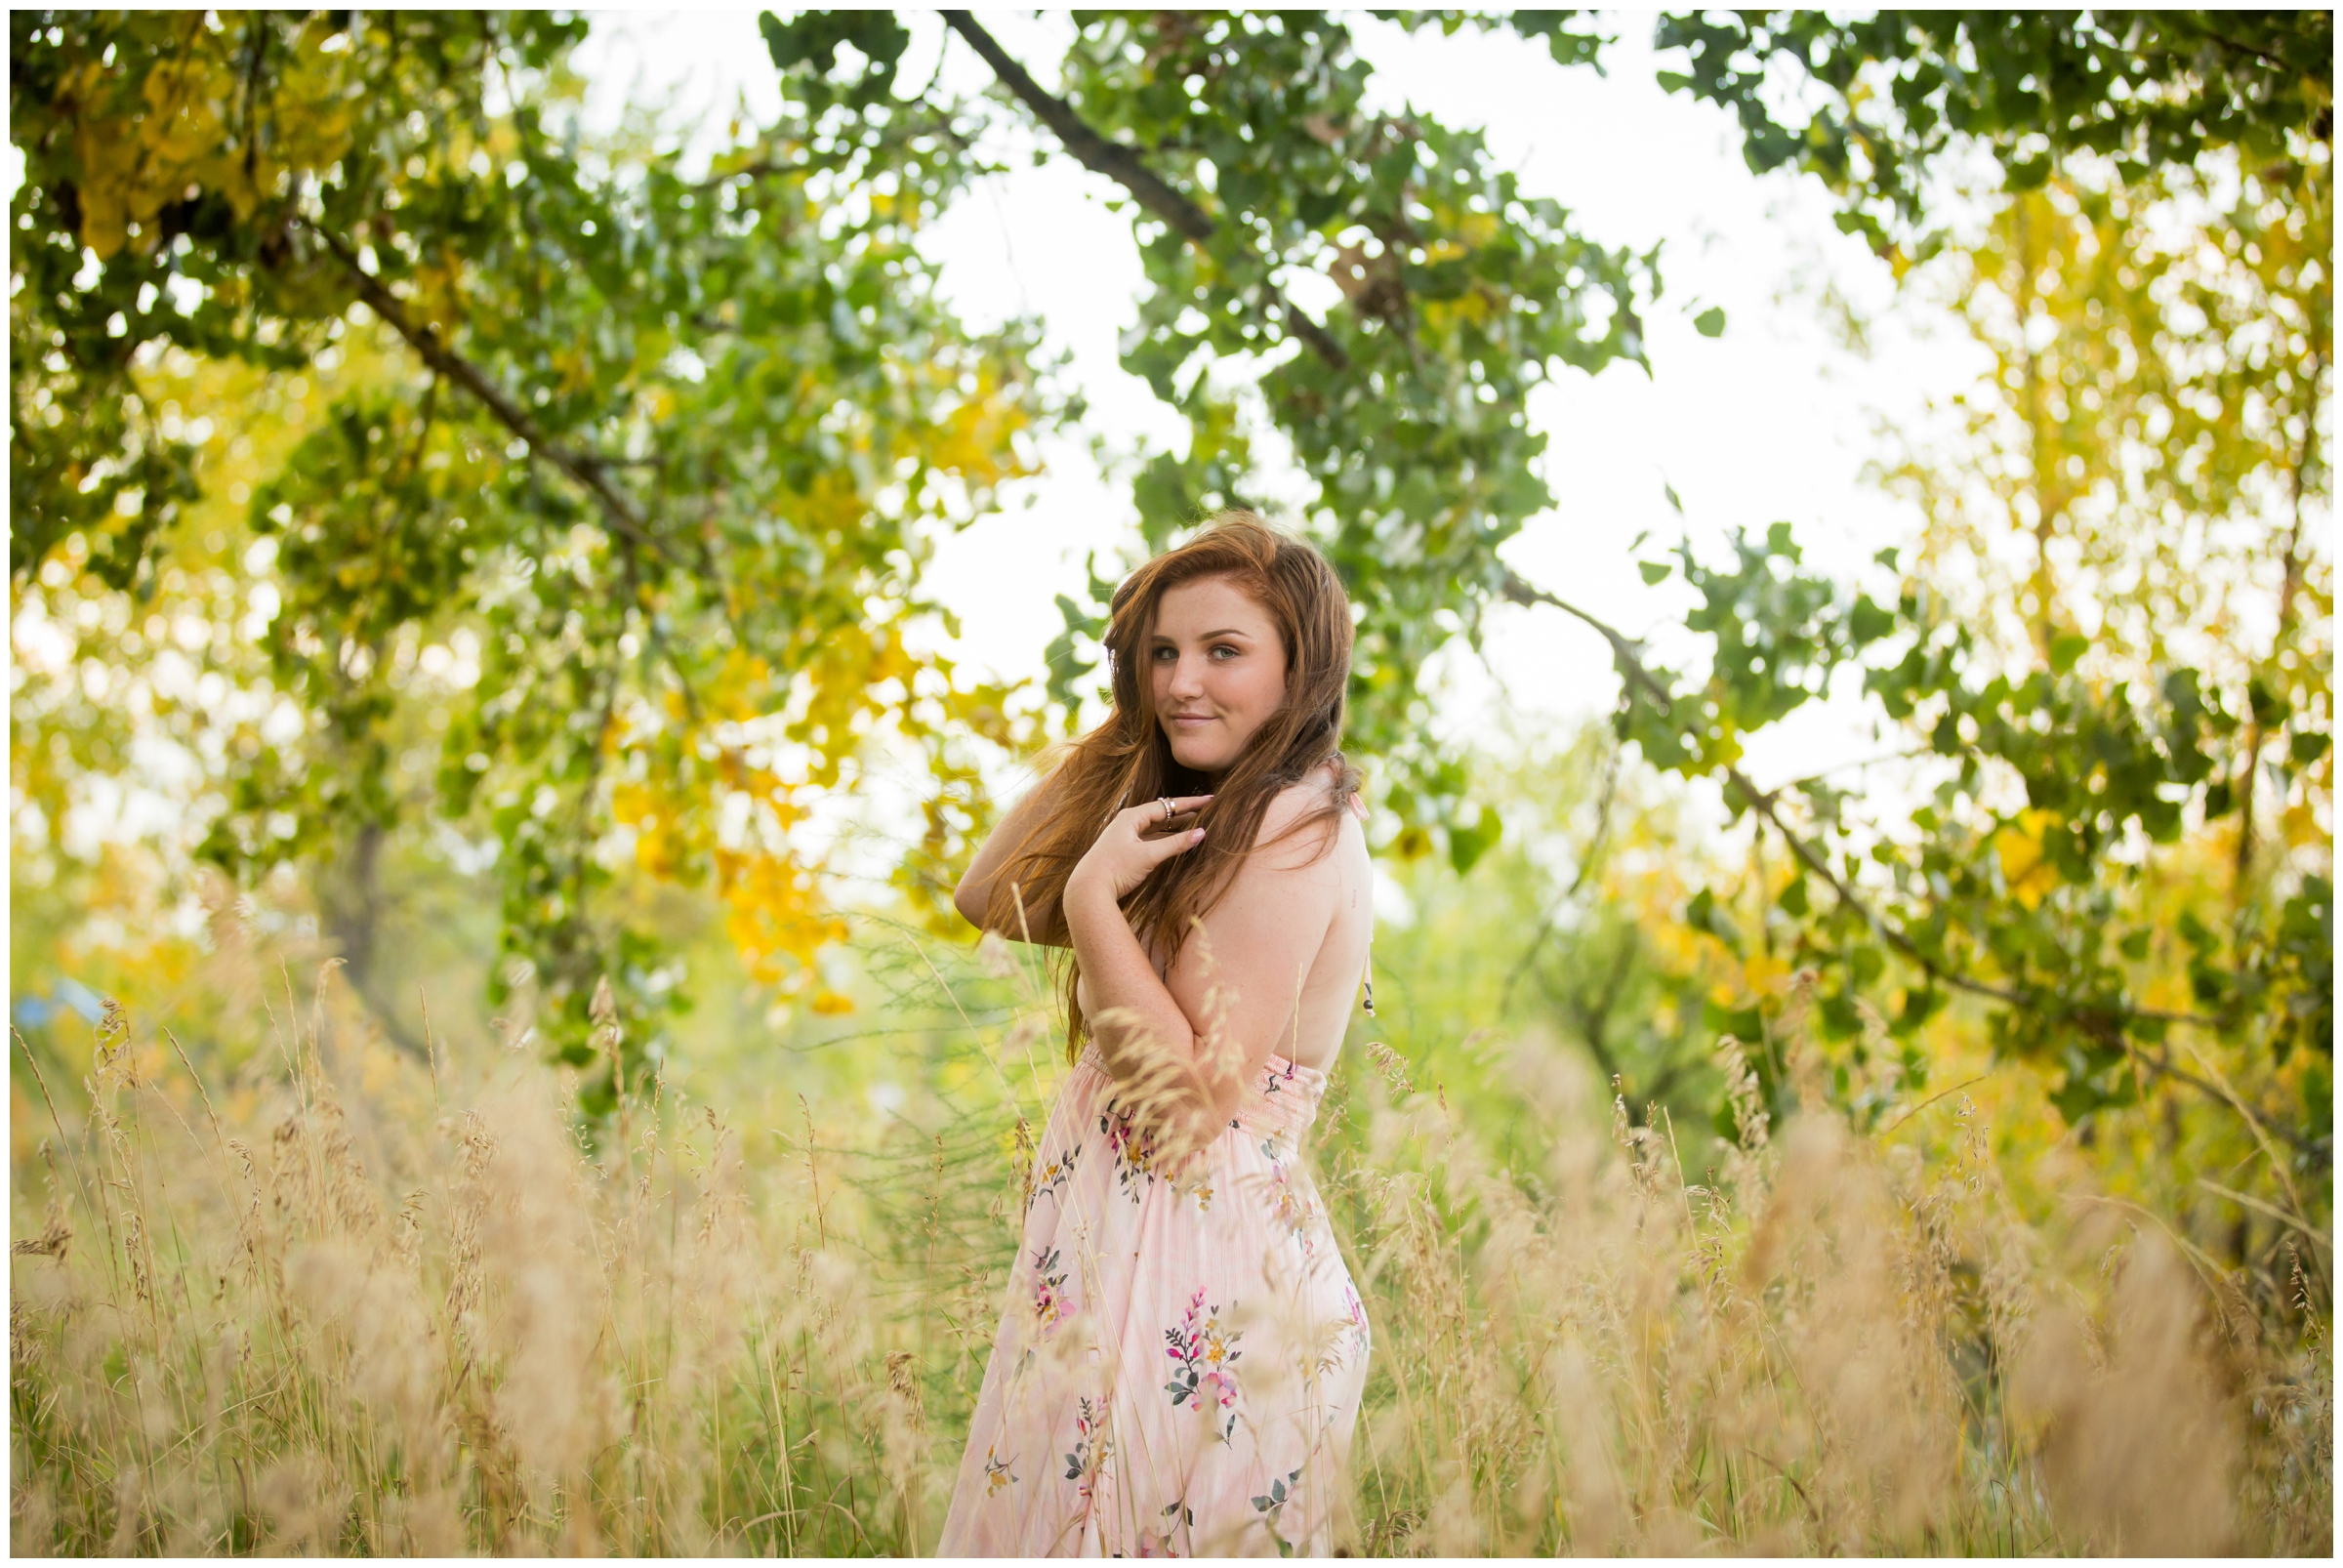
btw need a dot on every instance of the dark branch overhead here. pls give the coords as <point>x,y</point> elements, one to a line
<point>1113,159</point>
<point>589,472</point>
<point>1122,164</point>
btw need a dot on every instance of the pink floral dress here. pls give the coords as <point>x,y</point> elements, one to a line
<point>1178,1368</point>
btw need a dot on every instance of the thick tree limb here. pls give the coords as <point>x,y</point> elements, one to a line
<point>2250,768</point>
<point>1120,162</point>
<point>1761,801</point>
<point>589,473</point>
<point>1114,159</point>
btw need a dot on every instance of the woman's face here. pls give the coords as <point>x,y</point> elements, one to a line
<point>1217,668</point>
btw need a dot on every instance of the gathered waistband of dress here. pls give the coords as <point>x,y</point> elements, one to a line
<point>1284,1096</point>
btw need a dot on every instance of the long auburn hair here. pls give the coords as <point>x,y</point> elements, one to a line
<point>1128,759</point>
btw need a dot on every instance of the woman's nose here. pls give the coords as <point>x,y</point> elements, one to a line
<point>1187,677</point>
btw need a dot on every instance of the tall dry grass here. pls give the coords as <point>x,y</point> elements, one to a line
<point>368,1308</point>
<point>419,1321</point>
<point>1826,1347</point>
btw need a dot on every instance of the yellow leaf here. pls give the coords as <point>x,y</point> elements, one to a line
<point>1764,975</point>
<point>629,803</point>
<point>2024,871</point>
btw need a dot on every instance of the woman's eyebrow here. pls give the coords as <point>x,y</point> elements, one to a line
<point>1207,636</point>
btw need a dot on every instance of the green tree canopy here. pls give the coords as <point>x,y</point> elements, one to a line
<point>1889,96</point>
<point>664,456</point>
<point>670,453</point>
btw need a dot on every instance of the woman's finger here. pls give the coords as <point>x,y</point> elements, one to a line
<point>1150,813</point>
<point>1163,848</point>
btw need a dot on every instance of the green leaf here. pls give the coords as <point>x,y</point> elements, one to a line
<point>1317,208</point>
<point>1703,914</point>
<point>1701,910</point>
<point>1746,1023</point>
<point>1467,843</point>
<point>1920,1004</point>
<point>1710,324</point>
<point>2065,648</point>
<point>2077,1097</point>
<point>1654,571</point>
<point>2270,709</point>
<point>1867,622</point>
<point>813,37</point>
<point>1840,1019</point>
<point>2027,174</point>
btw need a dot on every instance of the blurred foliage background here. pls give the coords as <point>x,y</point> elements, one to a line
<point>474,550</point>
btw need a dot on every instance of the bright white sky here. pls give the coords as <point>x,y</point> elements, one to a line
<point>1772,421</point>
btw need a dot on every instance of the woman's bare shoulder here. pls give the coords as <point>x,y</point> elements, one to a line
<point>1310,867</point>
<point>1303,823</point>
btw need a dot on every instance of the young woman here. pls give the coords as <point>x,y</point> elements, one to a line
<point>1178,1367</point>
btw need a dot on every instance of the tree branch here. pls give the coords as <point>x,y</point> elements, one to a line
<point>2240,47</point>
<point>1762,803</point>
<point>1520,592</point>
<point>1120,162</point>
<point>587,471</point>
<point>2250,768</point>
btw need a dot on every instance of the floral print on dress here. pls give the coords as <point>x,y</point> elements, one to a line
<point>1272,1502</point>
<point>1176,1515</point>
<point>1134,1149</point>
<point>1051,1304</point>
<point>1089,1450</point>
<point>1167,1448</point>
<point>1049,1180</point>
<point>1204,1357</point>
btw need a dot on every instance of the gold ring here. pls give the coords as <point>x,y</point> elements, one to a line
<point>1166,802</point>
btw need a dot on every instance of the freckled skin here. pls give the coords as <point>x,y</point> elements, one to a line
<point>1216,669</point>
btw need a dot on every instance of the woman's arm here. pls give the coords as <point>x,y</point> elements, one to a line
<point>974,893</point>
<point>1231,997</point>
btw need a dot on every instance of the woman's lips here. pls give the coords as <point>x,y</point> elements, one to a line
<point>1191,719</point>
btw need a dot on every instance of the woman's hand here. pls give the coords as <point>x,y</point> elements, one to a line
<point>1133,844</point>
